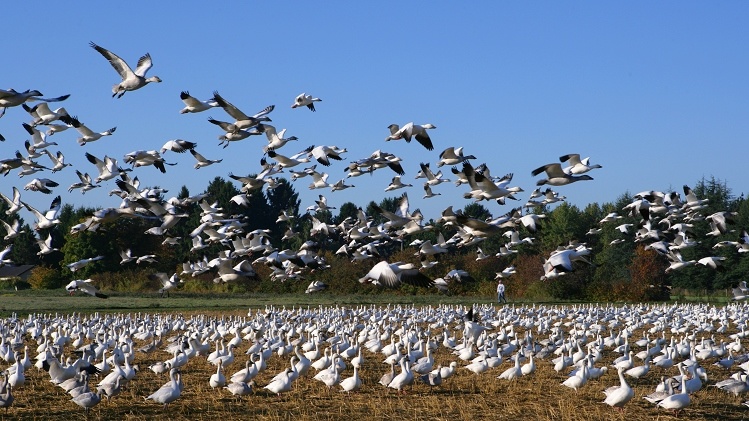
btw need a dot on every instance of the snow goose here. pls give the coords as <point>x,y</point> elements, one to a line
<point>13,98</point>
<point>578,380</point>
<point>6,396</point>
<point>232,134</point>
<point>49,218</point>
<point>304,100</point>
<point>80,264</point>
<point>169,392</point>
<point>218,379</point>
<point>243,121</point>
<point>323,154</point>
<point>555,176</point>
<point>43,185</point>
<point>239,388</point>
<point>178,145</point>
<point>292,161</point>
<point>88,400</point>
<point>677,401</point>
<point>432,178</point>
<point>428,192</point>
<point>85,285</point>
<point>87,135</point>
<point>618,396</point>
<point>453,156</point>
<point>203,161</point>
<point>419,131</point>
<point>85,183</point>
<point>39,139</point>
<point>392,275</point>
<point>389,376</point>
<point>396,183</point>
<point>42,114</point>
<point>282,384</point>
<point>14,205</point>
<point>577,165</point>
<point>131,80</point>
<point>403,379</point>
<point>167,283</point>
<point>194,105</point>
<point>513,372</point>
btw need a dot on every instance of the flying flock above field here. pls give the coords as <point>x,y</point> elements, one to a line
<point>666,218</point>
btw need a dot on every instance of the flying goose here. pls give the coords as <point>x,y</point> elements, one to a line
<point>42,114</point>
<point>392,275</point>
<point>275,139</point>
<point>85,285</point>
<point>12,231</point>
<point>396,183</point>
<point>13,98</point>
<point>43,185</point>
<point>202,161</point>
<point>83,263</point>
<point>15,204</point>
<point>45,246</point>
<point>243,121</point>
<point>412,130</point>
<point>58,160</point>
<point>107,168</point>
<point>130,80</point>
<point>85,184</point>
<point>577,165</point>
<point>231,133</point>
<point>432,178</point>
<point>87,135</point>
<point>323,154</point>
<point>194,105</point>
<point>40,141</point>
<point>304,100</point>
<point>178,145</point>
<point>453,156</point>
<point>556,176</point>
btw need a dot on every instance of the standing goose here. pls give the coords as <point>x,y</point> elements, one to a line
<point>6,397</point>
<point>131,80</point>
<point>618,396</point>
<point>169,392</point>
<point>88,400</point>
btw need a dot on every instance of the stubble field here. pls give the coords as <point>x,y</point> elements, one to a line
<point>465,395</point>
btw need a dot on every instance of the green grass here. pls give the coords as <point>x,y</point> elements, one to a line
<point>52,301</point>
<point>24,302</point>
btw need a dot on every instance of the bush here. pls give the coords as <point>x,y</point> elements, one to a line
<point>14,283</point>
<point>44,277</point>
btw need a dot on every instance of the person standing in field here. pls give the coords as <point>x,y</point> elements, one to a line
<point>501,292</point>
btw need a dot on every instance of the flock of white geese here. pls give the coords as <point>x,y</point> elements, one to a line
<point>689,347</point>
<point>334,342</point>
<point>665,219</point>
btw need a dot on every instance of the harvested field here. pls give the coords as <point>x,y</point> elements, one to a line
<point>464,396</point>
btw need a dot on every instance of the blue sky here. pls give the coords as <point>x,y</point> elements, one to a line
<point>657,93</point>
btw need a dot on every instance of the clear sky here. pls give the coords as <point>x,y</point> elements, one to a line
<point>656,92</point>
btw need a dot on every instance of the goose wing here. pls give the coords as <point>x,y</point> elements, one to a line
<point>229,107</point>
<point>118,63</point>
<point>552,170</point>
<point>144,64</point>
<point>574,158</point>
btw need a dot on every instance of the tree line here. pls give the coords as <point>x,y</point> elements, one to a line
<point>619,270</point>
